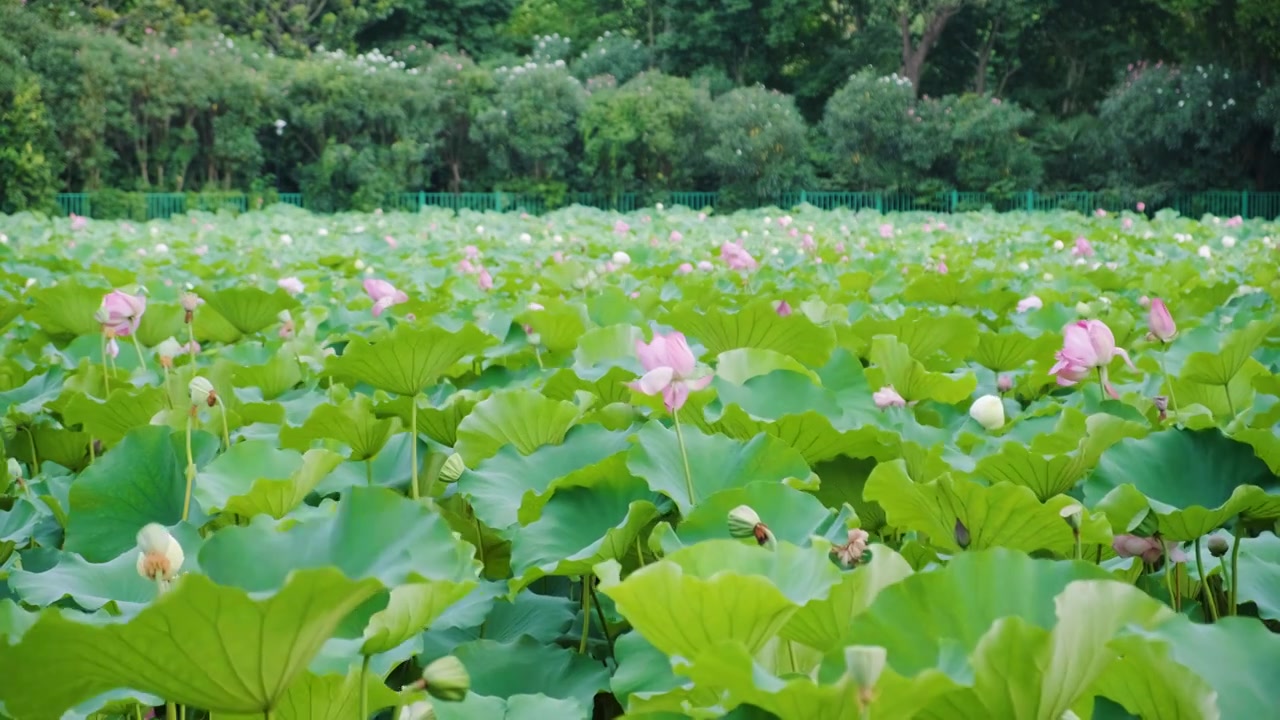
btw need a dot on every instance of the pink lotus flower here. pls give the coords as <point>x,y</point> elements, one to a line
<point>383,294</point>
<point>1030,302</point>
<point>1236,221</point>
<point>485,280</point>
<point>1100,213</point>
<point>121,313</point>
<point>886,230</point>
<point>807,243</point>
<point>1149,549</point>
<point>1127,223</point>
<point>391,242</point>
<point>1087,345</point>
<point>1141,206</point>
<point>471,252</point>
<point>1160,321</point>
<point>621,228</point>
<point>685,268</point>
<point>1082,248</point>
<point>79,222</point>
<point>942,267</point>
<point>291,285</point>
<point>783,308</point>
<point>887,397</point>
<point>736,257</point>
<point>669,366</point>
<point>465,267</point>
<point>113,348</point>
<point>704,265</point>
<point>536,306</point>
<point>675,236</point>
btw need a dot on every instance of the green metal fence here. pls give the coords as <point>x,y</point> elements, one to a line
<point>1248,204</point>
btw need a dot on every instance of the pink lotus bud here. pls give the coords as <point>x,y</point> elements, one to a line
<point>1004,384</point>
<point>1160,321</point>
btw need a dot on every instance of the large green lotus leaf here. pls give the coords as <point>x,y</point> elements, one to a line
<point>715,463</point>
<point>1216,366</point>
<point>580,527</point>
<point>1048,475</point>
<point>67,448</point>
<point>499,487</point>
<point>719,590</point>
<point>935,619</point>
<point>559,323</point>
<point>351,422</point>
<point>17,526</point>
<point>523,419</point>
<point>603,348</point>
<point>1265,443</point>
<point>248,309</point>
<point>1244,689</point>
<point>1214,398</point>
<point>373,533</point>
<point>253,477</point>
<point>792,515</point>
<point>115,584</point>
<point>280,373</point>
<point>1024,670</point>
<point>893,365</point>
<point>824,623</point>
<point>66,308</point>
<point>757,325</point>
<point>161,320</point>
<point>112,419</point>
<point>142,480</point>
<point>612,387</point>
<point>745,681</point>
<point>31,397</point>
<point>527,666</point>
<point>409,359</point>
<point>441,423</point>
<point>411,608</point>
<point>1259,578</point>
<point>951,337</point>
<point>234,654</point>
<point>492,549</point>
<point>1006,351</point>
<point>1148,683</point>
<point>327,697</point>
<point>1194,481</point>
<point>482,614</point>
<point>1000,515</point>
<point>739,366</point>
<point>516,707</point>
<point>812,433</point>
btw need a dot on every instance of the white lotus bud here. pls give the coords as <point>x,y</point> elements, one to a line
<point>621,258</point>
<point>202,392</point>
<point>168,349</point>
<point>420,710</point>
<point>15,468</point>
<point>160,556</point>
<point>1058,245</point>
<point>988,411</point>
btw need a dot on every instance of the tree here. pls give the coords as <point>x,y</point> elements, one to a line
<point>28,164</point>
<point>473,27</point>
<point>920,26</point>
<point>531,128</point>
<point>759,143</point>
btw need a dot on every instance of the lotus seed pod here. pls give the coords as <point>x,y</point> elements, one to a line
<point>1218,546</point>
<point>202,392</point>
<point>447,679</point>
<point>452,469</point>
<point>160,556</point>
<point>864,664</point>
<point>743,521</point>
<point>190,301</point>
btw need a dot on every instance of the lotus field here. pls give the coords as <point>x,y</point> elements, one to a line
<point>770,464</point>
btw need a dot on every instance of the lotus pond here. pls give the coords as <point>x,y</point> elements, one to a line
<point>781,464</point>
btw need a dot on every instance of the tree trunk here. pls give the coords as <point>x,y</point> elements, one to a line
<point>984,58</point>
<point>914,55</point>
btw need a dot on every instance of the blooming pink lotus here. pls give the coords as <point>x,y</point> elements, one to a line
<point>121,313</point>
<point>291,285</point>
<point>79,222</point>
<point>1142,207</point>
<point>1082,248</point>
<point>807,244</point>
<point>1236,221</point>
<point>886,230</point>
<point>942,267</point>
<point>1149,549</point>
<point>383,294</point>
<point>887,397</point>
<point>471,252</point>
<point>1030,302</point>
<point>484,279</point>
<point>1160,321</point>
<point>669,366</point>
<point>466,267</point>
<point>675,236</point>
<point>736,256</point>
<point>621,228</point>
<point>685,268</point>
<point>1086,345</point>
<point>783,308</point>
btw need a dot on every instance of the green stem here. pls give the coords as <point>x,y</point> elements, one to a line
<point>168,396</point>
<point>1230,405</point>
<point>1169,379</point>
<point>1079,550</point>
<point>142,359</point>
<point>791,656</point>
<point>191,470</point>
<point>364,688</point>
<point>191,337</point>
<point>106,369</point>
<point>170,712</point>
<point>182,712</point>
<point>368,472</point>
<point>684,455</point>
<point>137,712</point>
<point>538,354</point>
<point>586,615</point>
<point>1238,535</point>
<point>604,626</point>
<point>1204,583</point>
<point>479,539</point>
<point>1168,585</point>
<point>639,551</point>
<point>1228,579</point>
<point>35,459</point>
<point>226,432</point>
<point>92,455</point>
<point>413,448</point>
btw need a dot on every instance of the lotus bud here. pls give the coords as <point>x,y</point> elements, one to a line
<point>9,428</point>
<point>1218,546</point>
<point>743,521</point>
<point>202,392</point>
<point>159,554</point>
<point>420,710</point>
<point>190,301</point>
<point>962,535</point>
<point>988,410</point>
<point>1161,404</point>
<point>1004,384</point>
<point>15,468</point>
<point>863,666</point>
<point>1072,514</point>
<point>452,469</point>
<point>447,679</point>
<point>167,350</point>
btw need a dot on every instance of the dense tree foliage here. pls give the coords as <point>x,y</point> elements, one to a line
<point>351,99</point>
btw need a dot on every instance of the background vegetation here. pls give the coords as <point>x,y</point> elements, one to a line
<point>347,100</point>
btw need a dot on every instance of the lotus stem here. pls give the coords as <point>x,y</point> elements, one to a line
<point>1228,579</point>
<point>368,472</point>
<point>92,456</point>
<point>182,712</point>
<point>1238,535</point>
<point>1205,589</point>
<point>1231,406</point>
<point>684,455</point>
<point>413,448</point>
<point>586,615</point>
<point>142,358</point>
<point>479,538</point>
<point>364,687</point>
<point>137,712</point>
<point>106,369</point>
<point>170,711</point>
<point>1164,367</point>
<point>191,469</point>
<point>35,458</point>
<point>168,396</point>
<point>639,551</point>
<point>604,626</point>
<point>226,432</point>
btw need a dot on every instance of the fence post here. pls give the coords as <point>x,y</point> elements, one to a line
<point>1244,204</point>
<point>880,202</point>
<point>422,200</point>
<point>1031,200</point>
<point>497,200</point>
<point>955,200</point>
<point>804,198</point>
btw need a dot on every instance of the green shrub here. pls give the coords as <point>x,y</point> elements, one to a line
<point>758,145</point>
